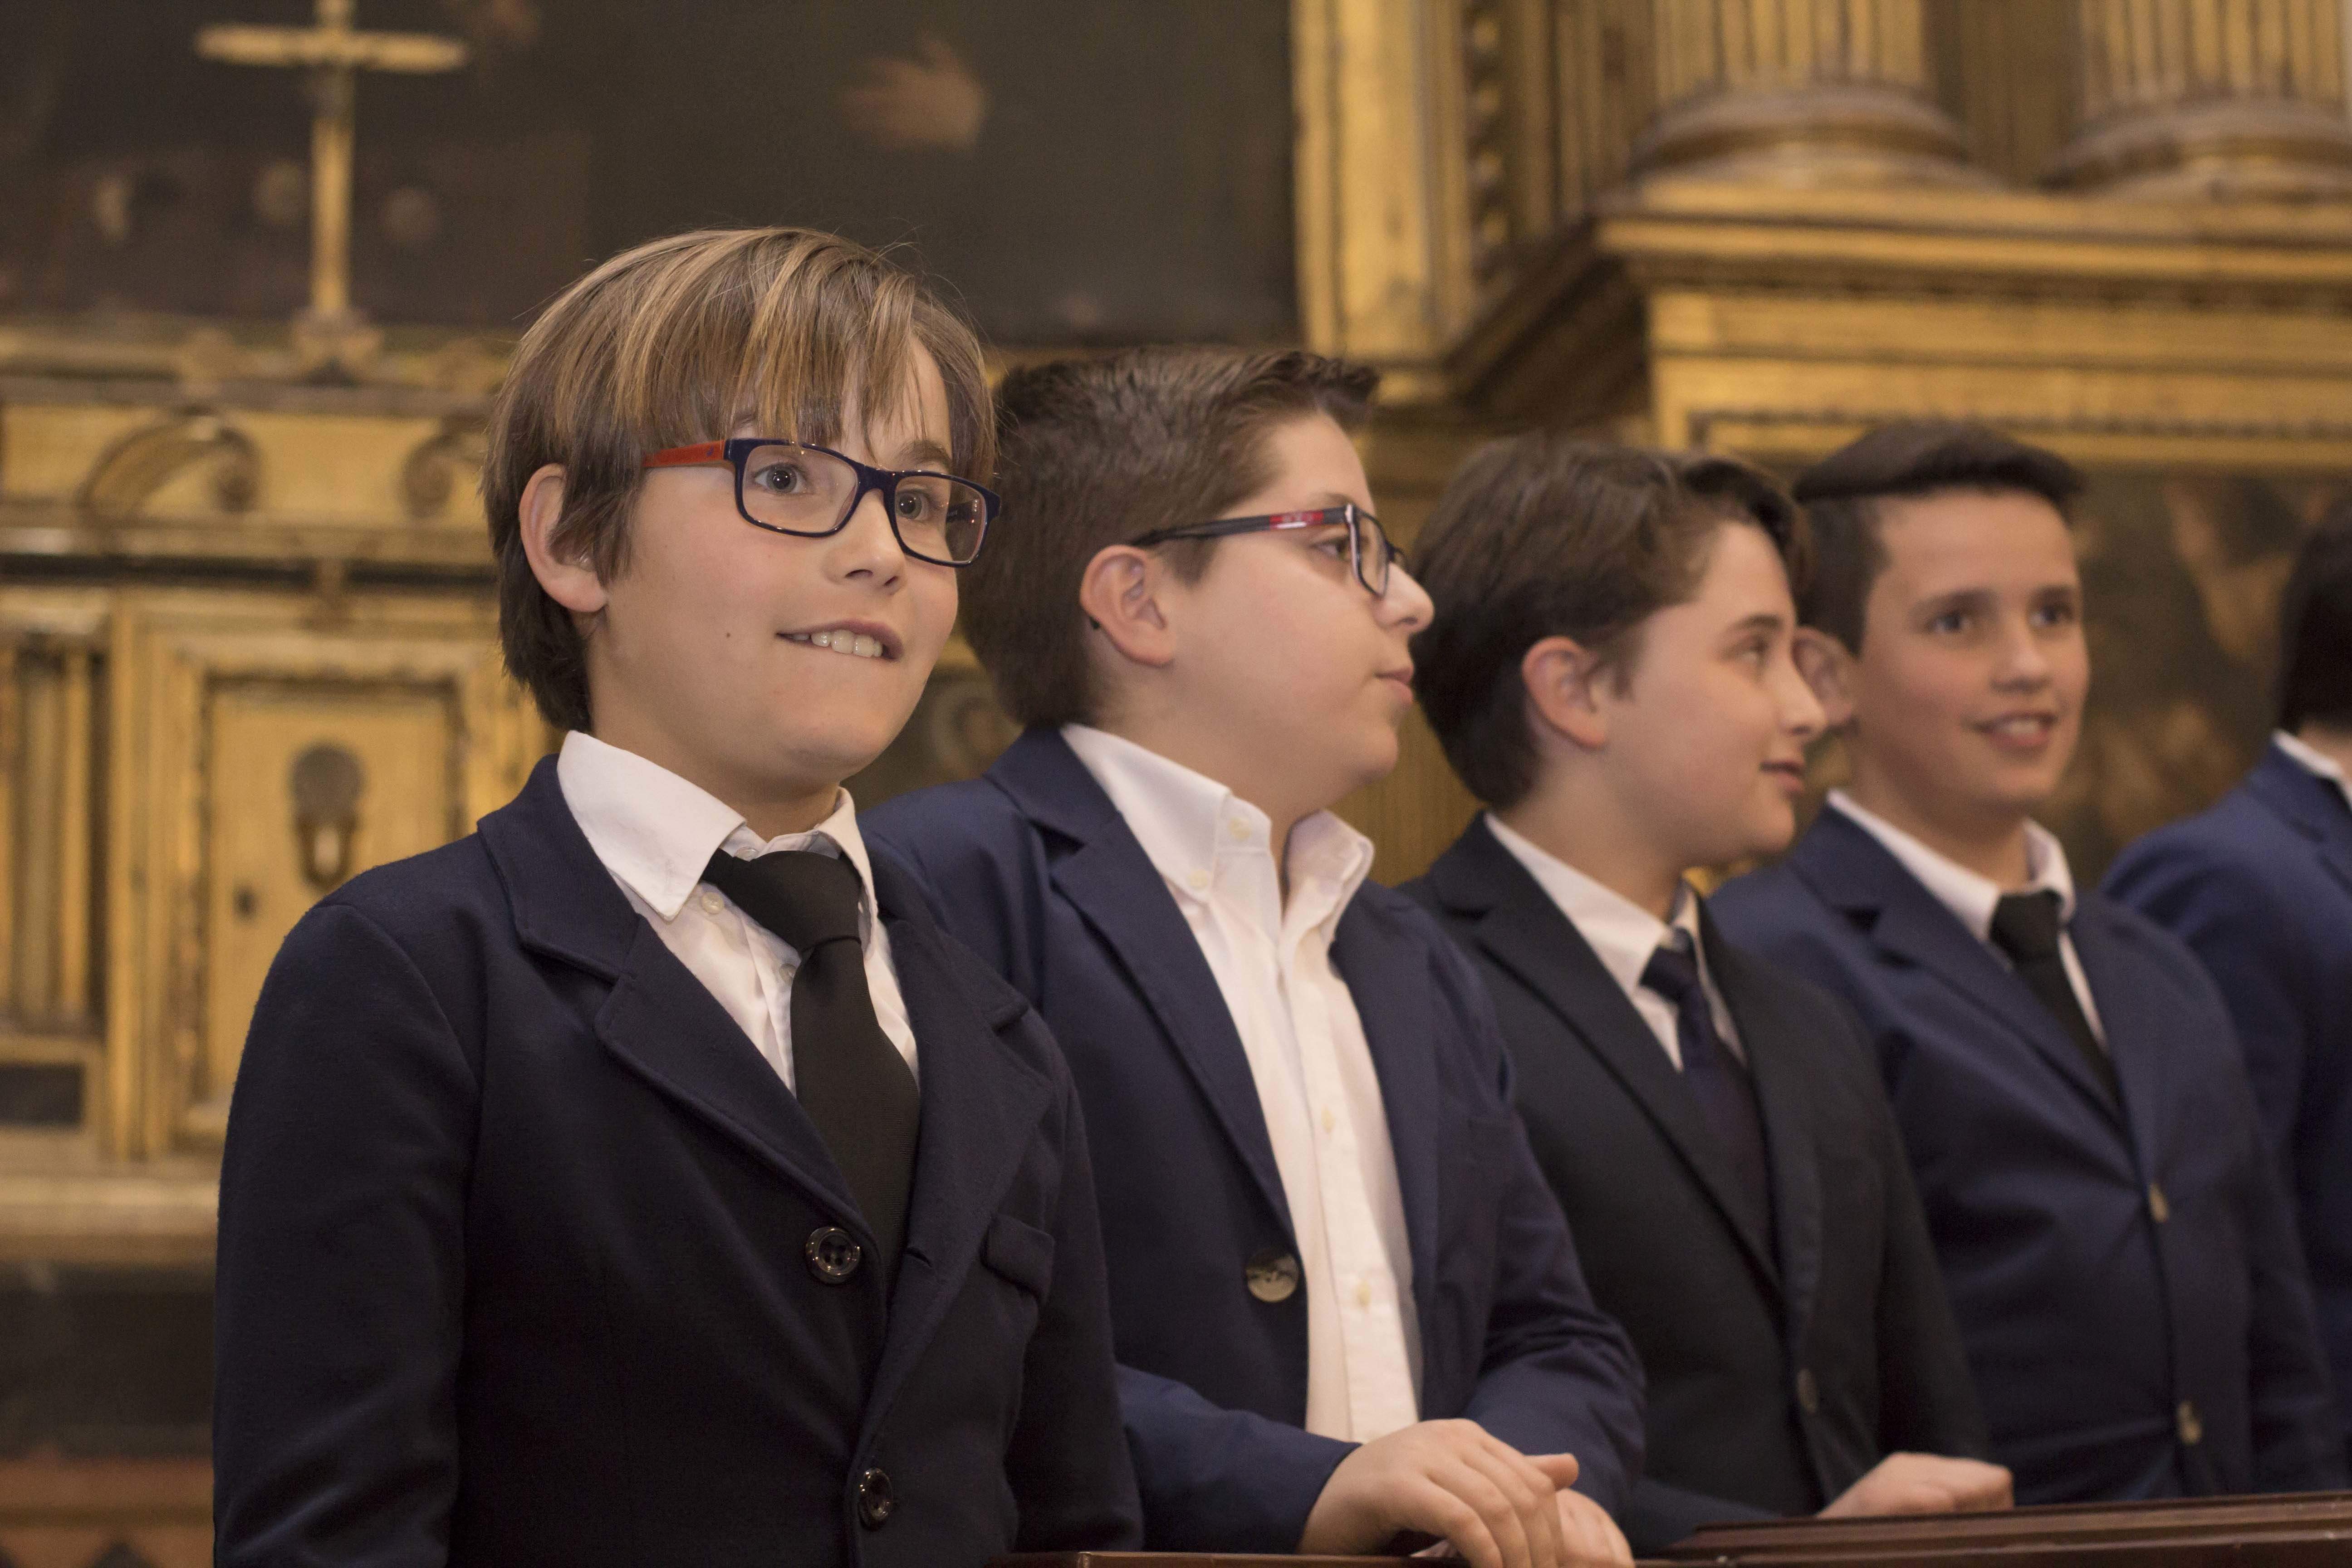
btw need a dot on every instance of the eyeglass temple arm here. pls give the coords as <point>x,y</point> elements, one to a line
<point>1224,526</point>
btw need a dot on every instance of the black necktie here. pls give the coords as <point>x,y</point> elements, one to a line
<point>2026,927</point>
<point>1726,1094</point>
<point>851,1079</point>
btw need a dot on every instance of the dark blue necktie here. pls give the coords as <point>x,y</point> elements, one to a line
<point>1725,1092</point>
<point>2027,927</point>
<point>851,1079</point>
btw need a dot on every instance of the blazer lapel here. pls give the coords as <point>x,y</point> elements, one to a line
<point>1113,884</point>
<point>662,1023</point>
<point>2310,804</point>
<point>2132,1022</point>
<point>981,1110</point>
<point>1522,930</point>
<point>658,1021</point>
<point>1388,979</point>
<point>1775,1050</point>
<point>1854,873</point>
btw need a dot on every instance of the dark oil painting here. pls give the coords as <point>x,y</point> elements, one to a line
<point>1074,171</point>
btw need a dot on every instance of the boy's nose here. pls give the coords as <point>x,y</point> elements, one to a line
<point>1802,713</point>
<point>1406,604</point>
<point>867,545</point>
<point>2023,660</point>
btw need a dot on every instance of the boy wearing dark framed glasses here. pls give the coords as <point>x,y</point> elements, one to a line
<point>647,1177</point>
<point>1347,1308</point>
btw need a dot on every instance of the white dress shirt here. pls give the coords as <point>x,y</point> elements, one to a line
<point>2320,763</point>
<point>1307,1056</point>
<point>655,832</point>
<point>1623,935</point>
<point>1972,898</point>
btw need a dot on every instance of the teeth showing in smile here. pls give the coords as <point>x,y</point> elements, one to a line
<point>2023,728</point>
<point>856,644</point>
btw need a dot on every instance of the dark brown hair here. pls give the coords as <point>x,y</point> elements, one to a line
<point>1842,492</point>
<point>677,342</point>
<point>1096,452</point>
<point>2316,618</point>
<point>1543,536</point>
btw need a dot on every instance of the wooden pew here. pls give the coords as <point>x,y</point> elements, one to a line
<point>2303,1531</point>
<point>2296,1531</point>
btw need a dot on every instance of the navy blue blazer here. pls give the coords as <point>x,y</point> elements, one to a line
<point>1782,1367</point>
<point>528,1256</point>
<point>2127,1283</point>
<point>1035,868</point>
<point>2260,889</point>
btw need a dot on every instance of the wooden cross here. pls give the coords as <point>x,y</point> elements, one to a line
<point>332,52</point>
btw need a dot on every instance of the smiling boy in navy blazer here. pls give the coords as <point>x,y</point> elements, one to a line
<point>1610,671</point>
<point>646,1178</point>
<point>2118,1254</point>
<point>1346,1305</point>
<point>2261,888</point>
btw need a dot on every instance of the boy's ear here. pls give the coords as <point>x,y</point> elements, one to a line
<point>1561,674</point>
<point>1120,593</point>
<point>1828,668</point>
<point>570,583</point>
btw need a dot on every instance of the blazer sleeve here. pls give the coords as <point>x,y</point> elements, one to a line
<point>1074,1492</point>
<point>1928,1399</point>
<point>1218,1479</point>
<point>340,1298</point>
<point>1657,1515</point>
<point>2298,1439</point>
<point>2255,955</point>
<point>1559,1374</point>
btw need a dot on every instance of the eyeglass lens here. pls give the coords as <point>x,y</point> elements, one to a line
<point>801,491</point>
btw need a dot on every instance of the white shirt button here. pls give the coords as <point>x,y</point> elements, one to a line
<point>1198,882</point>
<point>1237,827</point>
<point>711,903</point>
<point>1330,1121</point>
<point>1363,1292</point>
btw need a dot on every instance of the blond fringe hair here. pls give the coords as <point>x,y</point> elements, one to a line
<point>679,341</point>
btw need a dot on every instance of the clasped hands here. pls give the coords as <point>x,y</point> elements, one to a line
<point>1497,1506</point>
<point>1501,1509</point>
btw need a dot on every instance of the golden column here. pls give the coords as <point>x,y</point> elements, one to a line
<point>2213,98</point>
<point>1800,91</point>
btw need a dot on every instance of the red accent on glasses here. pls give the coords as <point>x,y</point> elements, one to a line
<point>688,456</point>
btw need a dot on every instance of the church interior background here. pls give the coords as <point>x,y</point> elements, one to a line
<point>261,261</point>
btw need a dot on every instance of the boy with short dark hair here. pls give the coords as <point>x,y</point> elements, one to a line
<point>1346,1307</point>
<point>2260,889</point>
<point>2117,1252</point>
<point>647,1178</point>
<point>1608,670</point>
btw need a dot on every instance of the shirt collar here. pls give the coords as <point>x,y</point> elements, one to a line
<point>1188,821</point>
<point>1970,897</point>
<point>2313,759</point>
<point>1622,933</point>
<point>656,832</point>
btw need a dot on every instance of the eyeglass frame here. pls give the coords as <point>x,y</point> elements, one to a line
<point>735,453</point>
<point>1345,512</point>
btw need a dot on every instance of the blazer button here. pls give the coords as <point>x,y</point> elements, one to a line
<point>2190,1425</point>
<point>2159,1209</point>
<point>833,1255</point>
<point>1273,1276</point>
<point>875,1499</point>
<point>1809,1391</point>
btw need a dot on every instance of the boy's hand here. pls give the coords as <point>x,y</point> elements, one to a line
<point>1924,1483</point>
<point>1587,1536</point>
<point>1494,1503</point>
